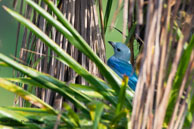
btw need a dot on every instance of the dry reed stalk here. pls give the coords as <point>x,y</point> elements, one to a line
<point>139,10</point>
<point>152,74</point>
<point>152,65</point>
<point>39,48</point>
<point>131,6</point>
<point>15,4</point>
<point>141,89</point>
<point>18,28</point>
<point>57,123</point>
<point>17,59</point>
<point>125,14</point>
<point>161,110</point>
<point>164,102</point>
<point>101,19</point>
<point>130,14</point>
<point>82,15</point>
<point>116,14</point>
<point>164,42</point>
<point>176,113</point>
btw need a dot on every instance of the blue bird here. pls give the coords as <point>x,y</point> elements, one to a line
<point>120,63</point>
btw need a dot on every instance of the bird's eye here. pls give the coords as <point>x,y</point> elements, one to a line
<point>118,49</point>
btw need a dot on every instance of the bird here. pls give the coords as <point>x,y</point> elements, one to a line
<point>120,63</point>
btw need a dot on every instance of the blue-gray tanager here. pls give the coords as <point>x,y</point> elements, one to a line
<point>120,63</point>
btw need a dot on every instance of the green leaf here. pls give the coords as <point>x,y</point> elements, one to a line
<point>102,86</point>
<point>117,118</point>
<point>26,111</point>
<point>13,115</point>
<point>70,112</point>
<point>184,61</point>
<point>131,33</point>
<point>107,14</point>
<point>26,80</point>
<point>6,127</point>
<point>8,117</point>
<point>29,97</point>
<point>121,99</point>
<point>98,113</point>
<point>3,64</point>
<point>44,79</point>
<point>88,90</point>
<point>74,37</point>
<point>73,91</point>
<point>25,95</point>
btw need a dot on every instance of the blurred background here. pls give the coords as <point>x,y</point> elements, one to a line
<point>8,29</point>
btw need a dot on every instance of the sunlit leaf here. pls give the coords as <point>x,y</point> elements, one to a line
<point>98,113</point>
<point>74,37</point>
<point>122,93</point>
<point>102,86</point>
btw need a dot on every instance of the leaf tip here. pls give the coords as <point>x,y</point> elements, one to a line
<point>4,7</point>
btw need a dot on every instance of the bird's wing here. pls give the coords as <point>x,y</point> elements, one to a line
<point>122,67</point>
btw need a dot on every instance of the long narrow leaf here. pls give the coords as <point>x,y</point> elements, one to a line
<point>73,91</point>
<point>184,61</point>
<point>6,127</point>
<point>122,94</point>
<point>74,37</point>
<point>68,59</point>
<point>28,96</point>
<point>42,79</point>
<point>107,14</point>
<point>15,119</point>
<point>88,90</point>
<point>27,110</point>
<point>98,113</point>
<point>13,115</point>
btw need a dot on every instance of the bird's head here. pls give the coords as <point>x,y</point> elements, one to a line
<point>121,51</point>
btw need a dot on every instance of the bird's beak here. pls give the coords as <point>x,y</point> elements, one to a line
<point>112,43</point>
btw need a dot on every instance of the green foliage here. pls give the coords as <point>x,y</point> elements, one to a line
<point>96,104</point>
<point>99,105</point>
<point>184,61</point>
<point>107,13</point>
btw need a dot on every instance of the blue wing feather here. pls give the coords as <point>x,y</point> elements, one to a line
<point>122,67</point>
